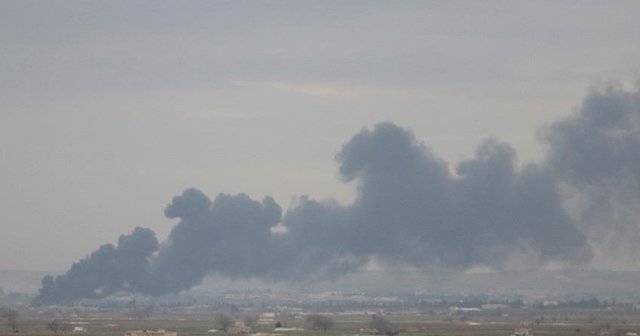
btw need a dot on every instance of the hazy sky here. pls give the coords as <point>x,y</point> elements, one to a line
<point>110,108</point>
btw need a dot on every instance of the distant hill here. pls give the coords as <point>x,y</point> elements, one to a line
<point>21,281</point>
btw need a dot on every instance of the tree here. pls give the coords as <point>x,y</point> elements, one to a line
<point>58,325</point>
<point>320,322</point>
<point>11,315</point>
<point>382,326</point>
<point>223,321</point>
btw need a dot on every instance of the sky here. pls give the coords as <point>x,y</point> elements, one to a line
<point>108,109</point>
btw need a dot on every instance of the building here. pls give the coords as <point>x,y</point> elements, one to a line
<point>522,332</point>
<point>267,319</point>
<point>160,332</point>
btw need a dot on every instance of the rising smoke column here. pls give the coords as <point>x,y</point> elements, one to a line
<point>596,154</point>
<point>411,209</point>
<point>106,271</point>
<point>230,236</point>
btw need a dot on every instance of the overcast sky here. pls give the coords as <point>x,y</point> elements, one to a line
<point>110,108</point>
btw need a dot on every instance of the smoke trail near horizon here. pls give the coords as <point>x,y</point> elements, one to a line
<point>107,270</point>
<point>411,209</point>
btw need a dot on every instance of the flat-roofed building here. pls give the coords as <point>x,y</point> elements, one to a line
<point>159,332</point>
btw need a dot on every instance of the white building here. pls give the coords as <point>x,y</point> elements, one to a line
<point>160,332</point>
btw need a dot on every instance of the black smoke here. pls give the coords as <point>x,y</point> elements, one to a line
<point>106,271</point>
<point>412,209</point>
<point>230,236</point>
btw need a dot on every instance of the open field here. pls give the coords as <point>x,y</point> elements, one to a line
<point>197,323</point>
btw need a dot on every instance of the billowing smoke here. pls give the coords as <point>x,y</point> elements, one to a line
<point>596,154</point>
<point>231,236</point>
<point>411,209</point>
<point>105,271</point>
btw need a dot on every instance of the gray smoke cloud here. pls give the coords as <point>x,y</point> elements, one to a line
<point>411,209</point>
<point>596,154</point>
<point>231,236</point>
<point>107,270</point>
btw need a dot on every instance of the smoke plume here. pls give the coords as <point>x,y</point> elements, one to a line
<point>106,271</point>
<point>412,209</point>
<point>596,154</point>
